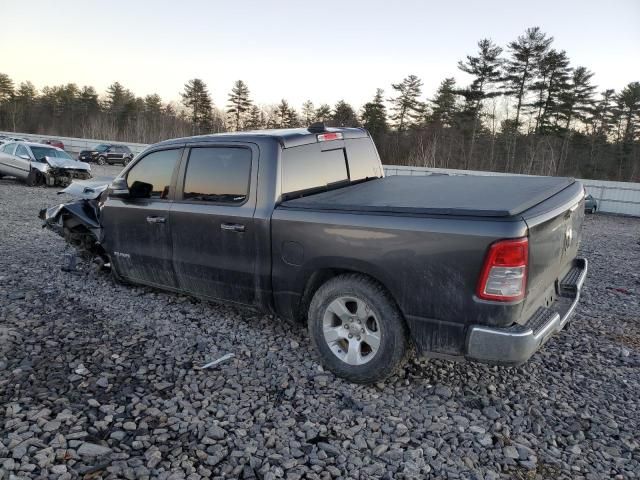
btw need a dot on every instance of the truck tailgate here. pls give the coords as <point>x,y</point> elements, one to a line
<point>554,235</point>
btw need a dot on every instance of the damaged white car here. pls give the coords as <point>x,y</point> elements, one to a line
<point>39,164</point>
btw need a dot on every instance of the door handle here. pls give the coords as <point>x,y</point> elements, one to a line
<point>232,227</point>
<point>156,220</point>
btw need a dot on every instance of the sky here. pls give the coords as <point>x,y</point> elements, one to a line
<point>324,51</point>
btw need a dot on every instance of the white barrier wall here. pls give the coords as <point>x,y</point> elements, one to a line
<point>75,145</point>
<point>613,197</point>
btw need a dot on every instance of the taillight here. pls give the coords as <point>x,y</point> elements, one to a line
<point>504,273</point>
<point>324,137</point>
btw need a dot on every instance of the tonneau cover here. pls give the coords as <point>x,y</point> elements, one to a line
<point>481,196</point>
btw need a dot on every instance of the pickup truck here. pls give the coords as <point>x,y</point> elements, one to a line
<point>302,223</point>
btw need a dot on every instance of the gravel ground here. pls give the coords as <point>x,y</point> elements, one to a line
<point>97,380</point>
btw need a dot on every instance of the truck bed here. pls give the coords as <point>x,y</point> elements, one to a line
<point>477,196</point>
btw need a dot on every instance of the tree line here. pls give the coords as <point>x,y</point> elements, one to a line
<point>525,110</point>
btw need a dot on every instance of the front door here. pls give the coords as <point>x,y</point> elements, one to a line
<point>138,230</point>
<point>22,161</point>
<point>212,224</point>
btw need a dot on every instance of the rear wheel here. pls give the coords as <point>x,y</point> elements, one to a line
<point>357,330</point>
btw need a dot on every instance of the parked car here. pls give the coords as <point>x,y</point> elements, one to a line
<point>303,224</point>
<point>107,153</point>
<point>590,204</point>
<point>55,143</point>
<point>39,164</point>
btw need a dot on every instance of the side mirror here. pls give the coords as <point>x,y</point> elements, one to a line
<point>140,190</point>
<point>119,188</point>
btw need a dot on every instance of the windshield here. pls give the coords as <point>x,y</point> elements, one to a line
<point>41,152</point>
<point>101,148</point>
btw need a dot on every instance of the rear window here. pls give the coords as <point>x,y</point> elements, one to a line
<point>307,167</point>
<point>218,174</point>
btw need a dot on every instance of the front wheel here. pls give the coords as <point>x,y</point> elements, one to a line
<point>34,178</point>
<point>101,161</point>
<point>357,330</point>
<point>126,161</point>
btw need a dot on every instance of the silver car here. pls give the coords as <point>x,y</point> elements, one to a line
<point>39,164</point>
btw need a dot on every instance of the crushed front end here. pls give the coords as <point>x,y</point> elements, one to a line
<point>78,221</point>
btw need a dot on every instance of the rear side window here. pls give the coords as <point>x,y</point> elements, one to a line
<point>155,170</point>
<point>219,174</point>
<point>9,148</point>
<point>309,167</point>
<point>363,159</point>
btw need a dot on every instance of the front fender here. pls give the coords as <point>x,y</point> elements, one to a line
<point>41,167</point>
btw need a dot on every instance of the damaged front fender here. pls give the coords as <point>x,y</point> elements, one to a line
<point>78,222</point>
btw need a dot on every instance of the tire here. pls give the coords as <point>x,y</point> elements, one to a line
<point>370,316</point>
<point>34,178</point>
<point>101,161</point>
<point>126,161</point>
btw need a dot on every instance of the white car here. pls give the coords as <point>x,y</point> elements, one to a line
<point>39,164</point>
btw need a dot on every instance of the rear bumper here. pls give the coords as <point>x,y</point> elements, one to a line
<point>516,344</point>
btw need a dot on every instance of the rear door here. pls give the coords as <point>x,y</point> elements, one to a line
<point>137,230</point>
<point>212,222</point>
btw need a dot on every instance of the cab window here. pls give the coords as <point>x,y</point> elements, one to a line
<point>218,174</point>
<point>151,176</point>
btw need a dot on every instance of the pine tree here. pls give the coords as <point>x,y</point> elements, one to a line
<point>408,109</point>
<point>153,105</point>
<point>374,116</point>
<point>577,99</point>
<point>444,103</point>
<point>519,72</point>
<point>521,68</point>
<point>344,115</point>
<point>257,118</point>
<point>198,102</point>
<point>629,100</point>
<point>88,100</point>
<point>553,73</point>
<point>6,94</point>
<point>26,93</point>
<point>239,103</point>
<point>485,69</point>
<point>323,113</point>
<point>117,97</point>
<point>6,87</point>
<point>283,114</point>
<point>308,112</point>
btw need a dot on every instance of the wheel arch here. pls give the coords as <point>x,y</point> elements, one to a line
<point>314,278</point>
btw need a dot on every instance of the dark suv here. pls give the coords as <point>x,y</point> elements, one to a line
<point>107,153</point>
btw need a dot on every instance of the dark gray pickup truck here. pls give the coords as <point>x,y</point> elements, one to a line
<point>302,223</point>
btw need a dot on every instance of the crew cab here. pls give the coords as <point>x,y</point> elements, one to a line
<point>303,223</point>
